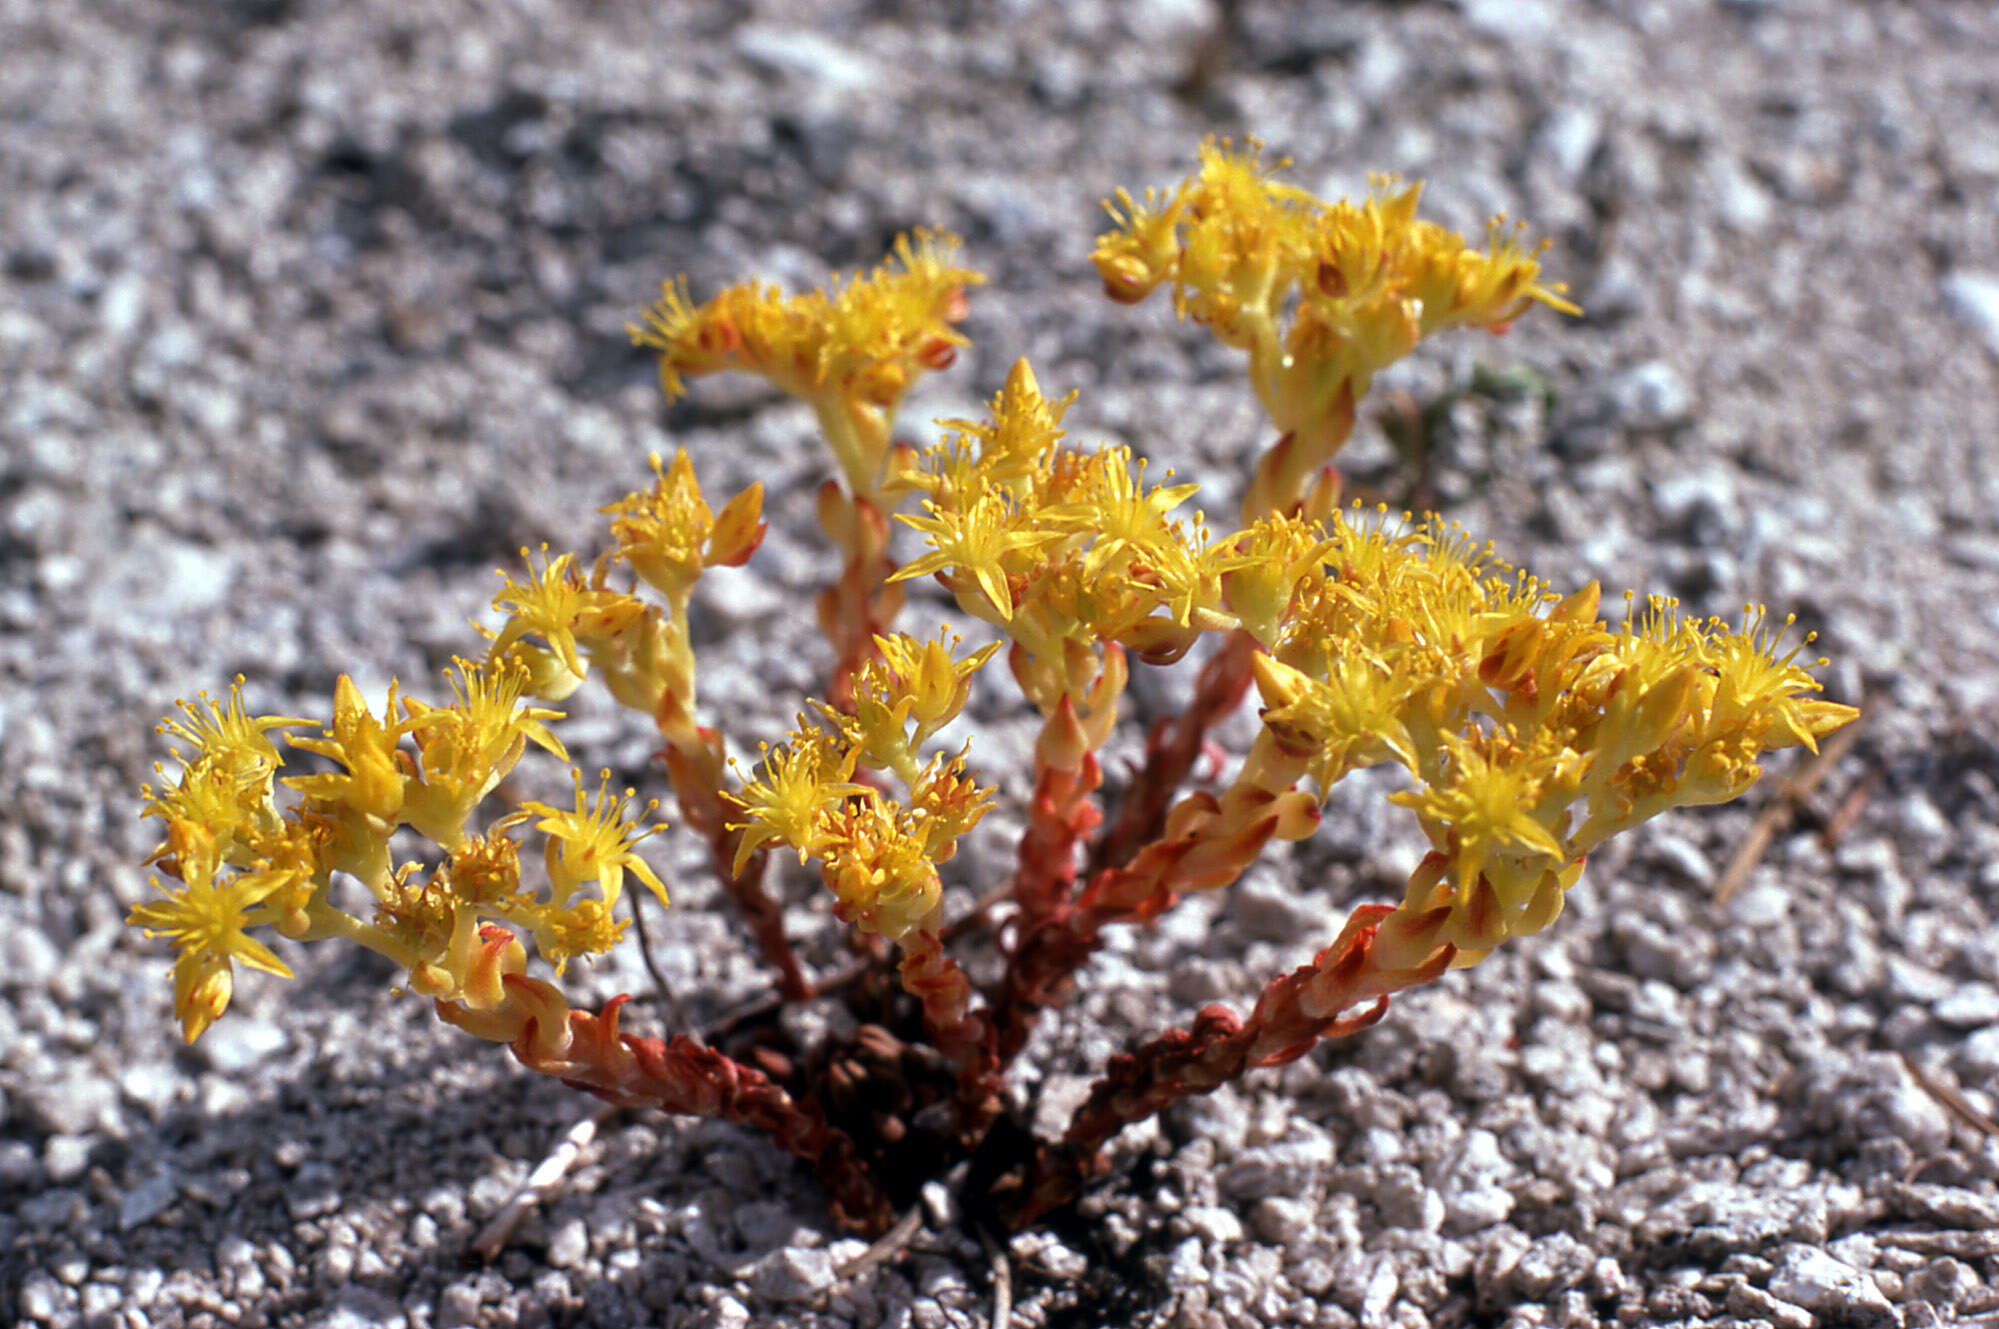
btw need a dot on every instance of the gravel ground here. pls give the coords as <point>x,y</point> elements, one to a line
<point>311,314</point>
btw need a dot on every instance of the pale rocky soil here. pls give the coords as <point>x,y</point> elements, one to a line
<point>311,314</point>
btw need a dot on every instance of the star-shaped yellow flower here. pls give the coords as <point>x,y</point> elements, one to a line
<point>205,919</point>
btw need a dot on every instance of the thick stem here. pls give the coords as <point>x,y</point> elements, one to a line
<point>1060,818</point>
<point>532,1017</point>
<point>695,770</point>
<point>965,1037</point>
<point>1207,843</point>
<point>1315,428</point>
<point>681,1075</point>
<point>1060,815</point>
<point>1292,1015</point>
<point>862,604</point>
<point>1172,750</point>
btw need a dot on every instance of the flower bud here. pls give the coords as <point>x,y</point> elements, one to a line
<point>1127,279</point>
<point>203,982</point>
<point>738,530</point>
<point>937,352</point>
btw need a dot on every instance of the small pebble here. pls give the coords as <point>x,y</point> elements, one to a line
<point>570,1244</point>
<point>148,1200</point>
<point>1214,1225</point>
<point>1974,298</point>
<point>1815,1281</point>
<point>793,1274</point>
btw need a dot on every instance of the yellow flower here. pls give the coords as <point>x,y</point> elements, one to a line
<point>549,605</point>
<point>1764,696</point>
<point>484,869</point>
<point>669,535</point>
<point>1011,450</point>
<point>205,919</point>
<point>945,803</point>
<point>419,912</point>
<point>1321,295</point>
<point>586,927</point>
<point>1491,807</point>
<point>907,680</point>
<point>977,548</point>
<point>799,782</point>
<point>376,771</point>
<point>1143,249</point>
<point>1260,571</point>
<point>866,339</point>
<point>227,736</point>
<point>594,842</point>
<point>1354,717</point>
<point>293,868</point>
<point>225,782</point>
<point>467,748</point>
<point>880,867</point>
<point>583,621</point>
<point>1126,520</point>
<point>208,795</point>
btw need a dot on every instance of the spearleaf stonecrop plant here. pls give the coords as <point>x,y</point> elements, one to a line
<point>1529,729</point>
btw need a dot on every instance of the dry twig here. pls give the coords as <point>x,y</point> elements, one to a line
<point>669,1008</point>
<point>1002,1270</point>
<point>1949,1098</point>
<point>887,1246</point>
<point>1781,811</point>
<point>494,1236</point>
<point>1848,812</point>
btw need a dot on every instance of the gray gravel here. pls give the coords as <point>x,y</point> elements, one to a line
<point>310,314</point>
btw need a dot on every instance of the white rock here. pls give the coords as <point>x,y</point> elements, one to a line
<point>147,1200</point>
<point>364,1308</point>
<point>1806,1276</point>
<point>1471,1211</point>
<point>570,1244</point>
<point>796,1273</point>
<point>1970,1006</point>
<point>1739,197</point>
<point>1569,137</point>
<point>1281,1219</point>
<point>1761,905</point>
<point>1652,396</point>
<point>41,1297</point>
<point>1403,1201</point>
<point>234,1045</point>
<point>123,304</point>
<point>1978,1057</point>
<point>64,1157</point>
<point>27,956</point>
<point>1215,1225</point>
<point>803,53</point>
<point>1516,20</point>
<point>1974,298</point>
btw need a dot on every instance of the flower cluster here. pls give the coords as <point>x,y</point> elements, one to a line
<point>243,855</point>
<point>1322,296</point>
<point>852,353</point>
<point>1529,727</point>
<point>879,856</point>
<point>1532,730</point>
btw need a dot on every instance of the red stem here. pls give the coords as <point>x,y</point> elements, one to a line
<point>683,1076</point>
<point>1292,1015</point>
<point>1061,814</point>
<point>965,1037</point>
<point>1171,752</point>
<point>861,604</point>
<point>695,776</point>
